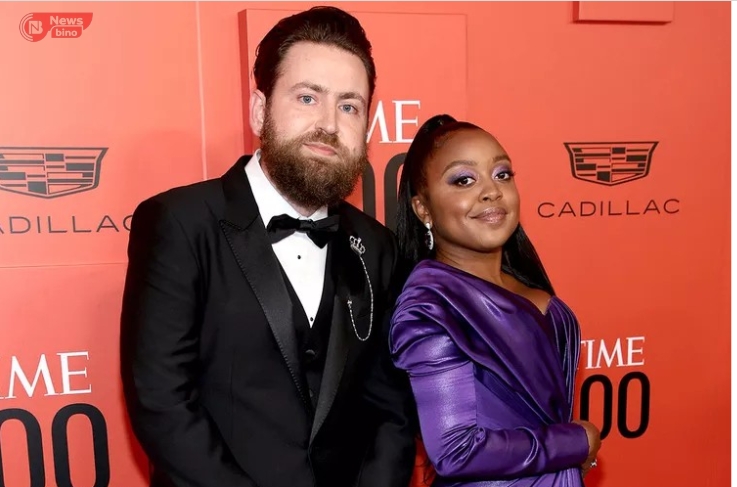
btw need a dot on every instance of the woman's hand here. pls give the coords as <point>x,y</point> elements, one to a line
<point>594,437</point>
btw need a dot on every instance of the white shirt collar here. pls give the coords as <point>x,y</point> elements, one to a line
<point>269,201</point>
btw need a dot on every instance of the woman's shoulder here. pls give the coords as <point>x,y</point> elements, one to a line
<point>432,283</point>
<point>428,296</point>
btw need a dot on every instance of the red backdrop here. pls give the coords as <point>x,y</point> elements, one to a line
<point>100,113</point>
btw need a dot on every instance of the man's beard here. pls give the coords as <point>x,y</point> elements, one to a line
<point>310,182</point>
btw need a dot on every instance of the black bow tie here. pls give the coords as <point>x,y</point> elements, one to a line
<point>320,231</point>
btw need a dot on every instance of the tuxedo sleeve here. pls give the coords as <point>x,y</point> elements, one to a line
<point>389,461</point>
<point>160,322</point>
<point>443,382</point>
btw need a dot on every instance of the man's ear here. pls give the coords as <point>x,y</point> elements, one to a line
<point>257,112</point>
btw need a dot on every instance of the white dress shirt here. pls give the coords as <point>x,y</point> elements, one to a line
<point>302,260</point>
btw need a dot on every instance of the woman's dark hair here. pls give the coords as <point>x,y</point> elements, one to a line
<point>519,257</point>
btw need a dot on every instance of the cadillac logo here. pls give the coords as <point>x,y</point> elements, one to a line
<point>610,163</point>
<point>49,172</point>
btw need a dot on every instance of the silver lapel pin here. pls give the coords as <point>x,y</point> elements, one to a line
<point>359,250</point>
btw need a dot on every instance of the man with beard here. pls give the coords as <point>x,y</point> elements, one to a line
<point>253,342</point>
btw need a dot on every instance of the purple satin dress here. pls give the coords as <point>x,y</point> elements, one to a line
<point>493,379</point>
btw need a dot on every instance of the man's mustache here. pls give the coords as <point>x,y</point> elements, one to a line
<point>323,138</point>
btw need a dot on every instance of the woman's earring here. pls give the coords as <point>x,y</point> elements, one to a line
<point>429,240</point>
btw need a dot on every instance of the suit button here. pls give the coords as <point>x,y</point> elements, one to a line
<point>310,354</point>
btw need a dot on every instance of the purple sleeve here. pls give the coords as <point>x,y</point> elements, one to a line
<point>443,383</point>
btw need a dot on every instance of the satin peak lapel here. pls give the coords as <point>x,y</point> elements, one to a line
<point>350,285</point>
<point>246,235</point>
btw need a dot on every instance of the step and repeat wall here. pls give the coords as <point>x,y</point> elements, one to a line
<point>616,116</point>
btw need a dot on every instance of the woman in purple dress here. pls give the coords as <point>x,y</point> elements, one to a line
<point>490,351</point>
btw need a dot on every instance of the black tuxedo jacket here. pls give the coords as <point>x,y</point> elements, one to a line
<point>212,378</point>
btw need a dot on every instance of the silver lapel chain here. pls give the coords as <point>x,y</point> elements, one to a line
<point>359,249</point>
